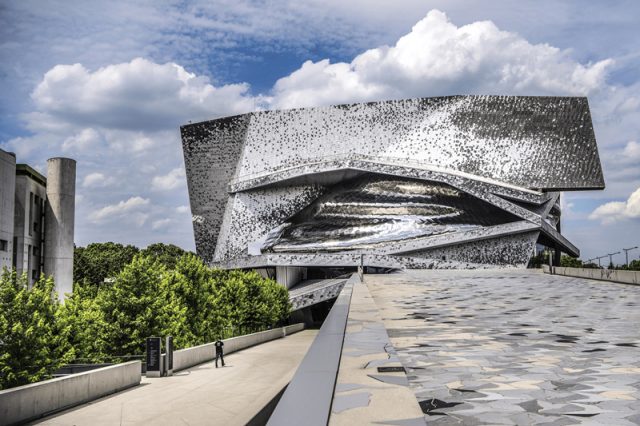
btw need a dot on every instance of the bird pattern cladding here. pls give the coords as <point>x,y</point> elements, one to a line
<point>404,182</point>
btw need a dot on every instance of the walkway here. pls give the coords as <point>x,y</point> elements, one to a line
<point>371,387</point>
<point>515,347</point>
<point>201,395</point>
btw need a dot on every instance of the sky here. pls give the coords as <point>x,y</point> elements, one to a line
<point>109,83</point>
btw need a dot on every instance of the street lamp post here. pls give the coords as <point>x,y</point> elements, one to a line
<point>601,257</point>
<point>626,253</point>
<point>611,257</point>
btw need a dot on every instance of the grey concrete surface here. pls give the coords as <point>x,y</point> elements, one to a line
<point>626,277</point>
<point>30,194</point>
<point>202,395</point>
<point>32,401</point>
<point>185,358</point>
<point>515,347</point>
<point>308,397</point>
<point>60,220</point>
<point>364,395</point>
<point>7,197</point>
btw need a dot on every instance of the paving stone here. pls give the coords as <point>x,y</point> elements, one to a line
<point>520,342</point>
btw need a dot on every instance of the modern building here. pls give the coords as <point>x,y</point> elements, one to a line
<point>448,182</point>
<point>37,219</point>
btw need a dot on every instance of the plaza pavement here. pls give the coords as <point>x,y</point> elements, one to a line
<point>515,347</point>
<point>201,395</point>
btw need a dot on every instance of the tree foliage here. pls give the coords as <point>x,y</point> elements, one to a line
<point>33,343</point>
<point>570,262</point>
<point>167,254</point>
<point>159,291</point>
<point>634,265</point>
<point>98,261</point>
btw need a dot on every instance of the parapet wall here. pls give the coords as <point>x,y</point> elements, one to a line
<point>189,357</point>
<point>24,403</point>
<point>625,277</point>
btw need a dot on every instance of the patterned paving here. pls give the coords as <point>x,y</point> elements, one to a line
<point>506,347</point>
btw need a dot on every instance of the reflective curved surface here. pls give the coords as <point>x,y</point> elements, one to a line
<point>374,209</point>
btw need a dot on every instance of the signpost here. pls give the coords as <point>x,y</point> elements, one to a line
<point>154,368</point>
<point>169,356</point>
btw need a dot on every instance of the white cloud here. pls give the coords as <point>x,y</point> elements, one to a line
<point>96,180</point>
<point>183,209</point>
<point>618,210</point>
<point>173,179</point>
<point>130,209</point>
<point>631,152</point>
<point>160,224</point>
<point>82,141</point>
<point>135,95</point>
<point>440,58</point>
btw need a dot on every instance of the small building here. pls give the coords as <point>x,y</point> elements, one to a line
<point>37,219</point>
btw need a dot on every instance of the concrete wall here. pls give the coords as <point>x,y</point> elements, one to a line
<point>185,358</point>
<point>626,277</point>
<point>36,400</point>
<point>7,191</point>
<point>289,276</point>
<point>28,248</point>
<point>60,217</point>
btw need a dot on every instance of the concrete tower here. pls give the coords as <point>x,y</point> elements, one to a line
<point>59,218</point>
<point>7,194</point>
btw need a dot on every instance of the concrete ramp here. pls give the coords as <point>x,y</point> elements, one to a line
<point>201,395</point>
<point>310,292</point>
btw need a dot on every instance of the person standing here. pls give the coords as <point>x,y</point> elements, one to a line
<point>219,352</point>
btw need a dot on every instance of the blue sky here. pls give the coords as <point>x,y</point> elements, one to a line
<point>109,83</point>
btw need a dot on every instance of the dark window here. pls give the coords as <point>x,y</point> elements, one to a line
<point>28,256</point>
<point>30,212</point>
<point>34,274</point>
<point>4,245</point>
<point>15,252</point>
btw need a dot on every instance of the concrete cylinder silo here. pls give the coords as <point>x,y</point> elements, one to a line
<point>59,223</point>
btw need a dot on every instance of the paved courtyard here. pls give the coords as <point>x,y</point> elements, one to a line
<point>201,395</point>
<point>515,347</point>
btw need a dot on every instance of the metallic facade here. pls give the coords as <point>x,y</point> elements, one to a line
<point>450,182</point>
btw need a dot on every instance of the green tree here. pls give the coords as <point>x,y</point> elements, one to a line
<point>167,254</point>
<point>634,265</point>
<point>268,301</point>
<point>32,345</point>
<point>233,302</point>
<point>133,306</point>
<point>84,322</point>
<point>196,286</point>
<point>98,261</point>
<point>570,262</point>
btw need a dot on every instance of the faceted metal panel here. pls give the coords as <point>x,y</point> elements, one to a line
<point>533,142</point>
<point>265,187</point>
